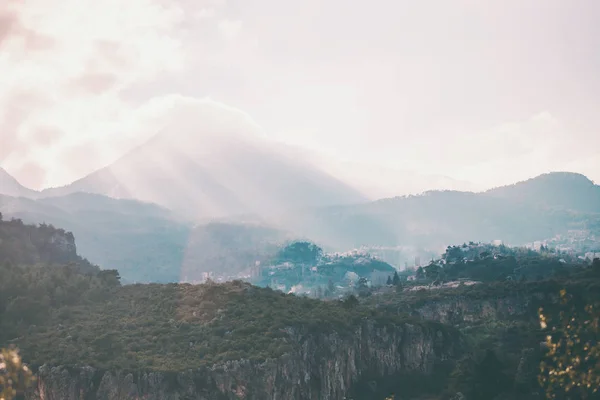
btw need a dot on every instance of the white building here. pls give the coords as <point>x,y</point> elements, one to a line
<point>591,255</point>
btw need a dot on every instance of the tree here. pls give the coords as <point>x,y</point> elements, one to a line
<point>420,273</point>
<point>432,271</point>
<point>300,252</point>
<point>363,287</point>
<point>571,368</point>
<point>14,375</point>
<point>479,376</point>
<point>396,279</point>
<point>351,302</point>
<point>110,277</point>
<point>389,281</point>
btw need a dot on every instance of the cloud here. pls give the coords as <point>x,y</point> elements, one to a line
<point>505,153</point>
<point>230,28</point>
<point>391,84</point>
<point>65,68</point>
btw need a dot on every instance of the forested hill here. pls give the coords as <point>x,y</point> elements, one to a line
<point>22,244</point>
<point>559,190</point>
<point>537,209</point>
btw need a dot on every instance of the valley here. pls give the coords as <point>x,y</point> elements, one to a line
<point>309,200</point>
<point>350,326</point>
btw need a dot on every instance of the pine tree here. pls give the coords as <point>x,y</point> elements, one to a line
<point>389,281</point>
<point>396,280</point>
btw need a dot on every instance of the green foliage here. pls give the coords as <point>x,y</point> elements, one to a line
<point>15,377</point>
<point>324,270</point>
<point>420,274</point>
<point>396,279</point>
<point>38,244</point>
<point>571,368</point>
<point>480,376</point>
<point>30,294</point>
<point>90,320</point>
<point>299,253</point>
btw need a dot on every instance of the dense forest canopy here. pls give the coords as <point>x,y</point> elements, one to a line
<point>61,310</point>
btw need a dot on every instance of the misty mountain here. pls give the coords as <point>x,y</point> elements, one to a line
<point>11,187</point>
<point>136,238</point>
<point>379,181</point>
<point>148,243</point>
<point>230,249</point>
<point>560,190</point>
<point>145,242</point>
<point>214,177</point>
<point>517,214</point>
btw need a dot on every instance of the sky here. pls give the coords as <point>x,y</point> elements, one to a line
<point>484,92</point>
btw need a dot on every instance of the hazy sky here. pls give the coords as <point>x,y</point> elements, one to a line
<point>484,91</point>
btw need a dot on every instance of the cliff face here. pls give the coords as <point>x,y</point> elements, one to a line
<point>460,310</point>
<point>321,367</point>
<point>33,244</point>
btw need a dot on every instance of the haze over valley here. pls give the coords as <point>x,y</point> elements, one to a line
<point>316,200</point>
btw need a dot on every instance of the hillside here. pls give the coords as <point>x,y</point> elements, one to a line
<point>147,243</point>
<point>143,241</point>
<point>516,215</point>
<point>22,244</point>
<point>224,175</point>
<point>11,187</point>
<point>208,341</point>
<point>86,335</point>
<point>229,250</point>
<point>561,190</point>
<point>301,267</point>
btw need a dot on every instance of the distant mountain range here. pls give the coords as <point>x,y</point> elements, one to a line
<point>11,187</point>
<point>150,242</point>
<point>231,175</point>
<point>559,190</point>
<point>531,210</point>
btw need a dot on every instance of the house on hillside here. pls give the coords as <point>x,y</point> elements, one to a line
<point>591,255</point>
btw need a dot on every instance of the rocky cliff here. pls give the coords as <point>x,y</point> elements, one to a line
<point>36,244</point>
<point>321,367</point>
<point>485,303</point>
<point>461,310</point>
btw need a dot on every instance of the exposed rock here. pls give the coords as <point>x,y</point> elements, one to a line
<point>459,310</point>
<point>322,367</point>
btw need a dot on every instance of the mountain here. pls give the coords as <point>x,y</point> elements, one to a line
<point>229,250</point>
<point>146,242</point>
<point>11,187</point>
<point>561,190</point>
<point>219,176</point>
<point>149,243</point>
<point>22,244</point>
<point>534,210</point>
<point>380,181</point>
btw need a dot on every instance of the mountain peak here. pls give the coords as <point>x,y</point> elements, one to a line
<point>215,178</point>
<point>568,190</point>
<point>11,187</point>
<point>562,177</point>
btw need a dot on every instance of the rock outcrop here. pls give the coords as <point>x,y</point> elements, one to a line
<point>321,367</point>
<point>459,310</point>
<point>25,244</point>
